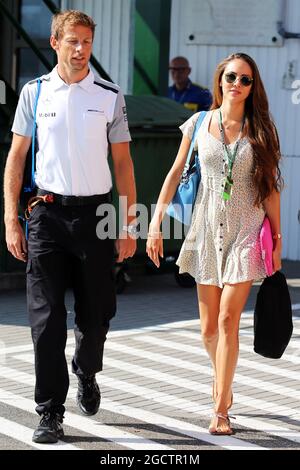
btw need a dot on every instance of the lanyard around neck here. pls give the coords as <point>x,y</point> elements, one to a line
<point>182,96</point>
<point>230,156</point>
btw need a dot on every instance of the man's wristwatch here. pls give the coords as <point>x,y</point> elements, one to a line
<point>132,229</point>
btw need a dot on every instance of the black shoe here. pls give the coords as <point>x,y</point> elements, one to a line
<point>88,395</point>
<point>49,429</point>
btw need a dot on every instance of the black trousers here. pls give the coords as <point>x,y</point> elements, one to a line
<point>63,250</point>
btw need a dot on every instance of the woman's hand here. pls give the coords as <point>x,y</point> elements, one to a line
<point>154,247</point>
<point>277,256</point>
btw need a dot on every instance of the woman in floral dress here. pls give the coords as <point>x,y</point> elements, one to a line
<point>240,183</point>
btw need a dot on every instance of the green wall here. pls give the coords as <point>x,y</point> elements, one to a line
<point>152,36</point>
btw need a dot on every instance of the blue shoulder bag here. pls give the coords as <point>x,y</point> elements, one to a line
<point>182,204</point>
<point>28,186</point>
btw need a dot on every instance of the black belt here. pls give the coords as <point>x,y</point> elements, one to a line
<point>77,200</point>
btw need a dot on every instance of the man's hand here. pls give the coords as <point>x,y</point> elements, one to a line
<point>15,240</point>
<point>124,177</point>
<point>125,246</point>
<point>13,177</point>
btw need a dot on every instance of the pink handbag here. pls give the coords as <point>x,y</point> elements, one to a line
<point>266,245</point>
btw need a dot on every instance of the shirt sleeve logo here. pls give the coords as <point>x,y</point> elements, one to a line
<point>99,111</point>
<point>2,93</point>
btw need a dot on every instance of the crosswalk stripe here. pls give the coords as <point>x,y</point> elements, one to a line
<point>192,385</point>
<point>16,349</point>
<point>196,431</point>
<point>247,315</point>
<point>294,344</point>
<point>250,322</point>
<point>295,307</point>
<point>195,350</point>
<point>24,434</point>
<point>151,394</point>
<point>163,359</point>
<point>181,427</point>
<point>187,405</point>
<point>242,346</point>
<point>113,434</point>
<point>247,320</point>
<point>88,425</point>
<point>206,370</point>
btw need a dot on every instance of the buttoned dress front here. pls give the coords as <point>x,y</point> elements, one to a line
<point>222,244</point>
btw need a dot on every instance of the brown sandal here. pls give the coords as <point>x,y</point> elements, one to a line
<point>217,430</point>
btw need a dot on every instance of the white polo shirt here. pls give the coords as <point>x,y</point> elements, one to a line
<point>75,124</point>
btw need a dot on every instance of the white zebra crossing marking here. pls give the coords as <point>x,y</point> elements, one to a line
<point>181,427</point>
<point>245,322</point>
<point>243,347</point>
<point>192,385</point>
<point>194,431</point>
<point>248,422</point>
<point>24,434</point>
<point>192,366</point>
<point>146,372</point>
<point>195,350</point>
<point>247,315</point>
<point>87,425</point>
<point>186,405</point>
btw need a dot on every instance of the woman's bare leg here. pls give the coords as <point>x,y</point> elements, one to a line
<point>209,307</point>
<point>232,302</point>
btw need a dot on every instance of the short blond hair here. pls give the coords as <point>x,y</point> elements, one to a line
<point>70,17</point>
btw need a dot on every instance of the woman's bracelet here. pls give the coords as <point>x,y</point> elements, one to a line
<point>154,234</point>
<point>276,236</point>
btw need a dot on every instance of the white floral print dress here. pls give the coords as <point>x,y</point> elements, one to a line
<point>222,244</point>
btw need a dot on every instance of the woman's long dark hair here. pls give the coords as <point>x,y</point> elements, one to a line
<point>260,129</point>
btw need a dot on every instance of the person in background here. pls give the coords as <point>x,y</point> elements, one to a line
<point>240,184</point>
<point>192,96</point>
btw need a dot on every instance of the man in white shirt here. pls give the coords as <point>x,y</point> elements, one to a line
<point>78,116</point>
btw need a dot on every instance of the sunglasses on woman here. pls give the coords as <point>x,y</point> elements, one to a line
<point>244,79</point>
